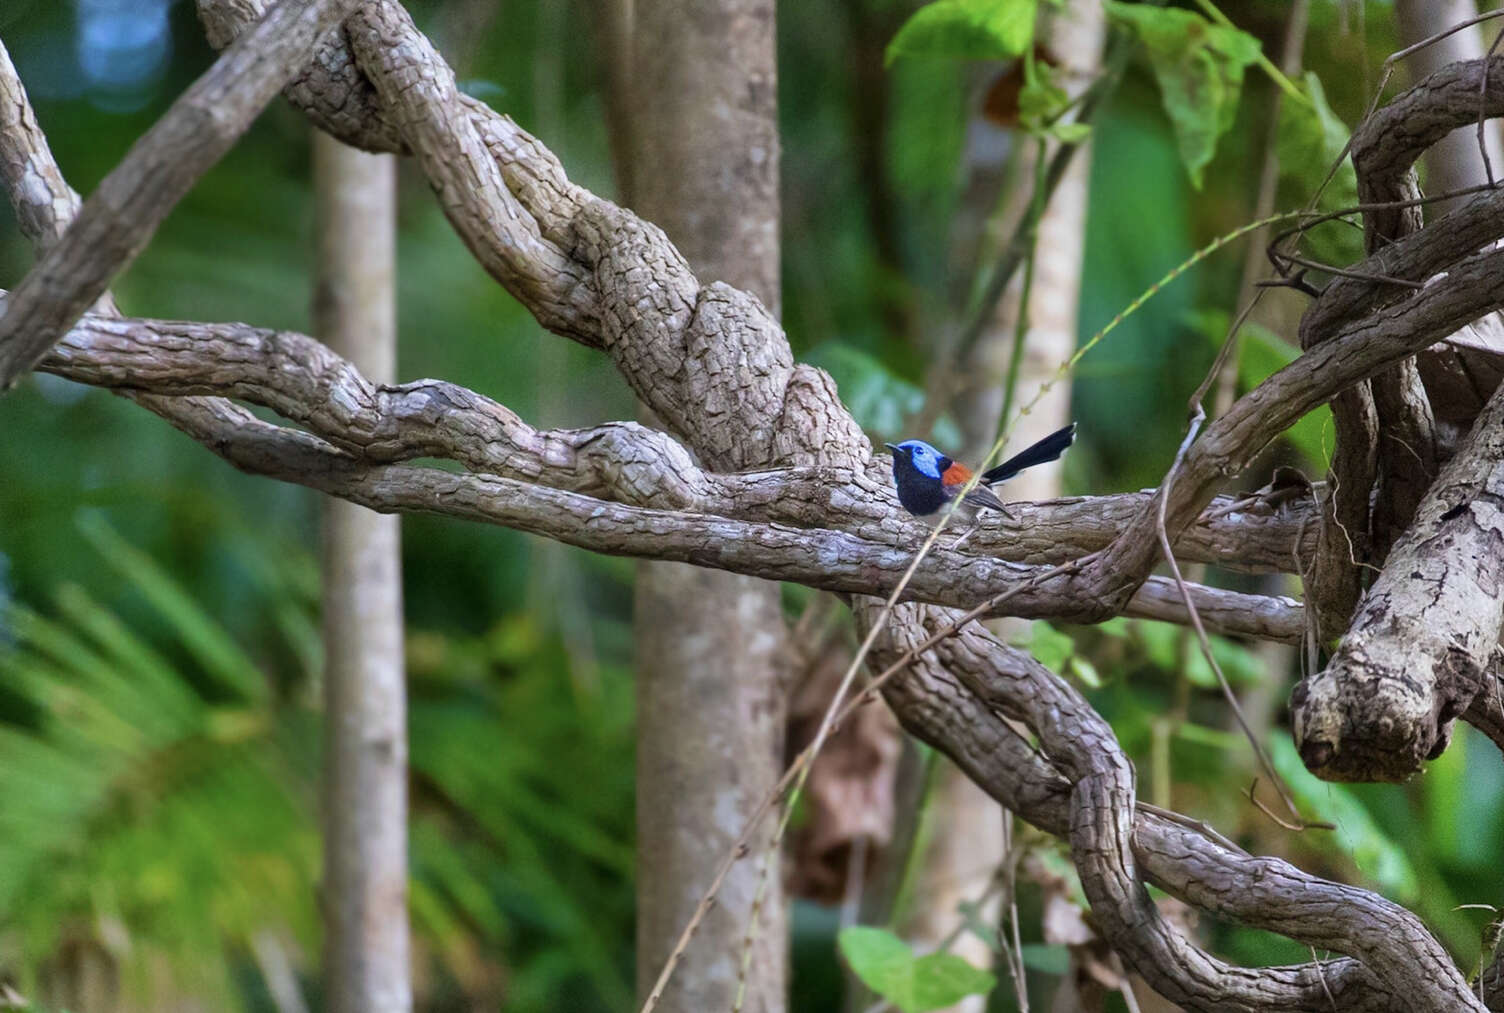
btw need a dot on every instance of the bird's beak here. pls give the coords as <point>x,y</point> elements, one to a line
<point>891,447</point>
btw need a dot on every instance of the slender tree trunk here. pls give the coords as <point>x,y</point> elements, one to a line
<point>696,125</point>
<point>365,768</point>
<point>968,845</point>
<point>1454,162</point>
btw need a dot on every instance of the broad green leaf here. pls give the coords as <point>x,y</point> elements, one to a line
<point>1085,672</point>
<point>966,30</point>
<point>1161,643</point>
<point>1310,138</point>
<point>1069,133</point>
<point>1050,647</point>
<point>944,979</point>
<point>1117,626</point>
<point>886,965</point>
<point>877,398</point>
<point>1173,648</point>
<point>1445,796</point>
<point>1041,100</point>
<point>1199,67</point>
<point>1041,103</point>
<point>1381,858</point>
<point>1241,666</point>
<point>1262,353</point>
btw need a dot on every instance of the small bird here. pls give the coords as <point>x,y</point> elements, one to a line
<point>927,480</point>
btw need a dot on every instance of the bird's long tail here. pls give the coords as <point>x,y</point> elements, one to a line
<point>1048,449</point>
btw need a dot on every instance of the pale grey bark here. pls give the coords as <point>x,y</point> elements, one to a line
<point>698,128</point>
<point>118,220</point>
<point>1381,709</point>
<point>1418,648</point>
<point>366,950</point>
<point>628,465</point>
<point>1455,161</point>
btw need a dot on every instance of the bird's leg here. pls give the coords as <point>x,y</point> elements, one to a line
<point>965,534</point>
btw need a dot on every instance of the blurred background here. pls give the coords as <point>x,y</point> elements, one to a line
<point>159,639</point>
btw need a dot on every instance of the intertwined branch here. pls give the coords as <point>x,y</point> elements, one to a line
<point>774,478</point>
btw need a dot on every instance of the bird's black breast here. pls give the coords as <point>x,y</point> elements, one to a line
<point>919,494</point>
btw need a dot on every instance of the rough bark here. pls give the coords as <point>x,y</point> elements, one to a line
<point>692,512</point>
<point>366,964</point>
<point>1385,149</point>
<point>1422,639</point>
<point>1458,379</point>
<point>718,369</point>
<point>1359,350</point>
<point>700,131</point>
<point>1406,667</point>
<point>957,699</point>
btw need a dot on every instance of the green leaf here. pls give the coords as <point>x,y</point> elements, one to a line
<point>1381,858</point>
<point>966,30</point>
<point>1261,353</point>
<point>1085,672</point>
<point>913,984</point>
<point>1310,138</point>
<point>877,398</point>
<point>1117,627</point>
<point>1050,647</point>
<point>1199,68</point>
<point>1161,643</point>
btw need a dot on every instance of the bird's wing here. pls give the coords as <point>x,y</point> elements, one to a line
<point>982,496</point>
<point>955,478</point>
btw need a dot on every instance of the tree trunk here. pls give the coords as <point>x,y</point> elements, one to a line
<point>697,136</point>
<point>1454,162</point>
<point>365,748</point>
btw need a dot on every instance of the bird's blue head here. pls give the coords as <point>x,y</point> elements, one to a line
<point>926,460</point>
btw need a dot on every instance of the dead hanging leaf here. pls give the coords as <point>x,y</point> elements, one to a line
<point>849,794</point>
<point>1065,921</point>
<point>1000,103</point>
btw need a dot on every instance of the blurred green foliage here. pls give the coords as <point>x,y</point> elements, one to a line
<point>913,983</point>
<point>967,30</point>
<point>1199,69</point>
<point>159,646</point>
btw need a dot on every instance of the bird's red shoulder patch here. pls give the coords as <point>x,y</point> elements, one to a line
<point>956,474</point>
